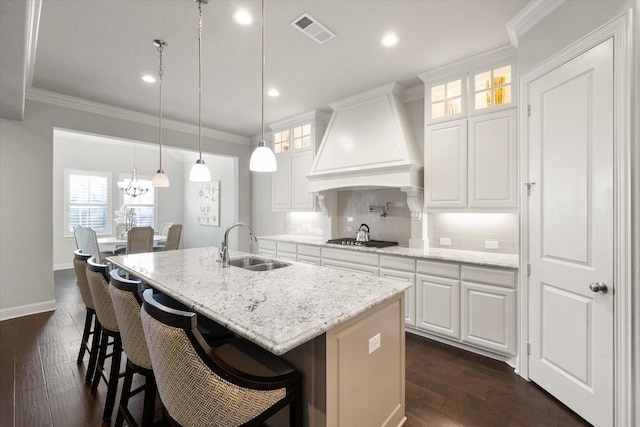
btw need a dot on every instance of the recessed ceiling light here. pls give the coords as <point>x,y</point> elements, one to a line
<point>390,39</point>
<point>273,92</point>
<point>149,78</point>
<point>243,17</point>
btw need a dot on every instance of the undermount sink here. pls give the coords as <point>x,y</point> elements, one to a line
<point>257,263</point>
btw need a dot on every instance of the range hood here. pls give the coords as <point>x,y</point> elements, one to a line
<point>369,144</point>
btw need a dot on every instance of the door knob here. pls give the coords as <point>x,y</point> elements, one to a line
<point>598,287</point>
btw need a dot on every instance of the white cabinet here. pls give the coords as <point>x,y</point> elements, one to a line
<point>267,248</point>
<point>308,254</point>
<point>294,145</point>
<point>488,308</point>
<point>438,298</point>
<point>470,134</point>
<point>404,269</point>
<point>472,163</point>
<point>492,160</point>
<point>349,260</point>
<point>446,165</point>
<point>287,251</point>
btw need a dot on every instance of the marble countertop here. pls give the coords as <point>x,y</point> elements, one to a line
<point>278,309</point>
<point>489,259</point>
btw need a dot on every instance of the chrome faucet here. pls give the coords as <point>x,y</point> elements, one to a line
<point>224,249</point>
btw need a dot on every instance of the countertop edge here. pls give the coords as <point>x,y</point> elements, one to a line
<point>435,254</point>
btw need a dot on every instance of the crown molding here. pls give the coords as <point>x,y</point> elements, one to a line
<point>66,101</point>
<point>530,15</point>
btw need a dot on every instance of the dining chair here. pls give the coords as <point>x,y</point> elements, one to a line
<point>140,239</point>
<point>87,241</point>
<point>91,323</point>
<point>236,384</point>
<point>173,238</point>
<point>98,278</point>
<point>164,228</point>
<point>126,302</point>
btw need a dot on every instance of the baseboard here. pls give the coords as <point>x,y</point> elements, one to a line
<point>64,266</point>
<point>25,310</point>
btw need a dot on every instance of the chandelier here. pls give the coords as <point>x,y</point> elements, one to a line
<point>132,187</point>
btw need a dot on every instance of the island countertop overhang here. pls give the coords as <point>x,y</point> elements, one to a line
<point>278,309</point>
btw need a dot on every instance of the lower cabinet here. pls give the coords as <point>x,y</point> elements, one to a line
<point>488,300</point>
<point>402,269</point>
<point>438,298</point>
<point>471,305</point>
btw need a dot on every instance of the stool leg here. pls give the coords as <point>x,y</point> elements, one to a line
<point>149,400</point>
<point>125,395</point>
<point>95,348</point>
<point>113,378</point>
<point>88,320</point>
<point>102,355</point>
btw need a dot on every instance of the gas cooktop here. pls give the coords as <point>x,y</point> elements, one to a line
<point>349,241</point>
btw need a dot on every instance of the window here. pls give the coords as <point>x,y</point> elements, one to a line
<point>143,206</point>
<point>87,201</point>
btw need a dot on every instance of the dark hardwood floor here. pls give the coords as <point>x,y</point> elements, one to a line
<point>42,385</point>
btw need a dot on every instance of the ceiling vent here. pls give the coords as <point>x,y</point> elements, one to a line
<point>311,27</point>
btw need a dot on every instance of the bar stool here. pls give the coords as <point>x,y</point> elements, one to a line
<point>236,384</point>
<point>127,302</point>
<point>91,323</point>
<point>97,276</point>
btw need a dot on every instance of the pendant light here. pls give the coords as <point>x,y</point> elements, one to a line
<point>200,172</point>
<point>132,187</point>
<point>160,179</point>
<point>262,158</point>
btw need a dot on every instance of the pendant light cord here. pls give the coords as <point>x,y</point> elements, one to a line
<point>160,72</point>
<point>200,80</point>
<point>262,72</point>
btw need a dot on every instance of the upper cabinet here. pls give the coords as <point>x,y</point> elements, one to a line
<point>294,145</point>
<point>470,134</point>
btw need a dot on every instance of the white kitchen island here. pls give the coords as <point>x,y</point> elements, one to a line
<point>344,331</point>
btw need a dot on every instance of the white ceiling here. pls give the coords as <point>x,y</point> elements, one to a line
<point>98,50</point>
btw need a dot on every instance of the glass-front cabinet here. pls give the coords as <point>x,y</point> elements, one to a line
<point>492,88</point>
<point>448,99</point>
<point>294,146</point>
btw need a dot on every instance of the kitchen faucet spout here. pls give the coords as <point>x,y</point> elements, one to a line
<point>224,250</point>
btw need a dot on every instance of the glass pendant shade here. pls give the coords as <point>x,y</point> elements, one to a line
<point>263,159</point>
<point>160,179</point>
<point>200,172</point>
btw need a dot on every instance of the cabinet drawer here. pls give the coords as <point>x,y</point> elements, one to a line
<point>304,259</point>
<point>268,244</point>
<point>350,256</point>
<point>267,253</point>
<point>309,250</point>
<point>492,276</point>
<point>440,269</point>
<point>348,266</point>
<point>398,263</point>
<point>287,247</point>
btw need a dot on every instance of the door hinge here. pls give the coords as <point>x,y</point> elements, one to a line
<point>528,110</point>
<point>528,269</point>
<point>528,348</point>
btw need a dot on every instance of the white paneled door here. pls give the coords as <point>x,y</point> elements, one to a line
<point>571,226</point>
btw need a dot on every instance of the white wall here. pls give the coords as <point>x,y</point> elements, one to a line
<point>26,191</point>
<point>223,169</point>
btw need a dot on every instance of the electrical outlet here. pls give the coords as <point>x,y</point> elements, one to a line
<point>374,343</point>
<point>491,244</point>
<point>445,241</point>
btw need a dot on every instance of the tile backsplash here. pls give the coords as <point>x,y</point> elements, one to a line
<point>471,231</point>
<point>353,210</point>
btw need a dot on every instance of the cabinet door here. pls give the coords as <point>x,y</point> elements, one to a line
<point>282,182</point>
<point>301,162</point>
<point>438,305</point>
<point>446,165</point>
<point>409,294</point>
<point>488,317</point>
<point>493,160</point>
